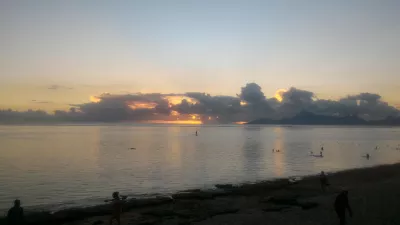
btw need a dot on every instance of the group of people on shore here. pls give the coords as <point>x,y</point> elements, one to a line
<point>15,215</point>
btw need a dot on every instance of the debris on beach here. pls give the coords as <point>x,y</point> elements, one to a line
<point>294,180</point>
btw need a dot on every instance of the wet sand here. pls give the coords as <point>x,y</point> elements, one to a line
<point>374,194</point>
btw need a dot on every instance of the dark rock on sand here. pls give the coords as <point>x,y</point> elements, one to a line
<point>190,213</point>
<point>275,208</point>
<point>98,222</point>
<point>220,192</point>
<point>307,205</point>
<point>192,190</point>
<point>160,213</point>
<point>224,186</point>
<point>224,211</point>
<point>37,217</point>
<point>193,195</point>
<point>148,221</point>
<point>284,199</point>
<point>135,203</point>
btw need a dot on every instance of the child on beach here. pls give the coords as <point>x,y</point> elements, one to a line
<point>116,203</point>
<point>324,181</point>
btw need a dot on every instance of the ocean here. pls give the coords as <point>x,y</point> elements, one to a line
<point>59,166</point>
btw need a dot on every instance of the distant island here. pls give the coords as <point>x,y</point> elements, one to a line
<point>309,118</point>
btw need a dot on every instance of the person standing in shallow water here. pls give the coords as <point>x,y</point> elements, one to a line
<point>15,215</point>
<point>341,204</point>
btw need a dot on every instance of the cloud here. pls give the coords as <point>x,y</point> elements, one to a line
<point>295,100</point>
<point>257,105</point>
<point>58,87</point>
<point>249,104</point>
<point>369,105</point>
<point>42,102</point>
<point>252,93</point>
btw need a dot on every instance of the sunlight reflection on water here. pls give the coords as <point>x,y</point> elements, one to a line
<point>80,165</point>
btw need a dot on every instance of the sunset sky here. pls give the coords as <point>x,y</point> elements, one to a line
<point>54,54</point>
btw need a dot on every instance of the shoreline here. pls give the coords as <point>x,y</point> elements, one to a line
<point>228,192</point>
<point>56,207</point>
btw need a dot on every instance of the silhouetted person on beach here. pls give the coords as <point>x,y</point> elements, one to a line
<point>116,203</point>
<point>196,132</point>
<point>15,215</point>
<point>322,148</point>
<point>324,181</point>
<point>341,204</point>
<point>320,154</point>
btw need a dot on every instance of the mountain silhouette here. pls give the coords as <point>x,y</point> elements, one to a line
<point>309,118</point>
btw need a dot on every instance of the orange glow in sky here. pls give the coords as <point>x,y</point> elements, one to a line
<point>94,99</point>
<point>174,113</point>
<point>241,122</point>
<point>194,116</point>
<point>279,94</point>
<point>193,122</point>
<point>142,105</point>
<point>177,99</point>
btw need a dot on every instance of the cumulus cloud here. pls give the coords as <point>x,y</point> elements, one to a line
<point>369,106</point>
<point>295,100</point>
<point>249,104</point>
<point>252,93</point>
<point>257,105</point>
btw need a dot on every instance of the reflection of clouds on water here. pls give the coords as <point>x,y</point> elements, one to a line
<point>96,160</point>
<point>253,127</point>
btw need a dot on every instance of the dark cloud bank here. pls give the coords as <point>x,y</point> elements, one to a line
<point>251,104</point>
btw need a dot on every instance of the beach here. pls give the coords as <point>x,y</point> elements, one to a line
<point>374,195</point>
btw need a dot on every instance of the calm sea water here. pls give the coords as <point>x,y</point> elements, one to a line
<point>65,166</point>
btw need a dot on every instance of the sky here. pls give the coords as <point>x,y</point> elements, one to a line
<point>55,55</point>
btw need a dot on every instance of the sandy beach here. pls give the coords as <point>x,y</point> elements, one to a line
<point>373,194</point>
